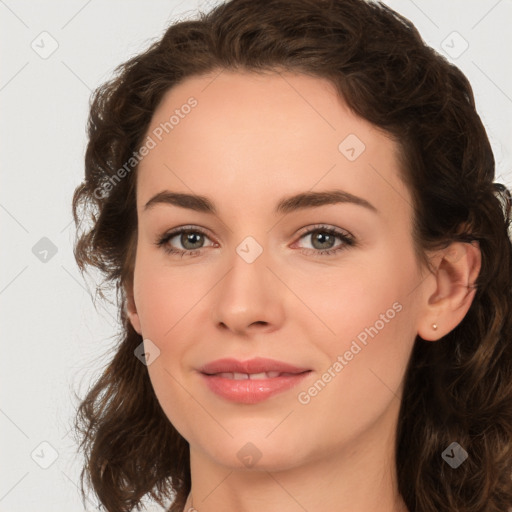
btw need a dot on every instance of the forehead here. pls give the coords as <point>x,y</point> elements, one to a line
<point>266,135</point>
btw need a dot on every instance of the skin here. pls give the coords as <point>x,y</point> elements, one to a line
<point>251,140</point>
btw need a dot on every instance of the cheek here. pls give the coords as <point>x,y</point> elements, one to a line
<point>365,360</point>
<point>367,316</point>
<point>345,300</point>
<point>171,393</point>
<point>165,296</point>
<point>167,301</point>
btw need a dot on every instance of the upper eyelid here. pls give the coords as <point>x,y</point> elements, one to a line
<point>319,227</point>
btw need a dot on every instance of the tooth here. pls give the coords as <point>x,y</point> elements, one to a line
<point>254,376</point>
<point>240,376</point>
<point>225,375</point>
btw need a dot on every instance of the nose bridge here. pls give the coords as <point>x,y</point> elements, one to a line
<point>248,269</point>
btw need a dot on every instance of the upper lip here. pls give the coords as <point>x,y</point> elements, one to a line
<point>256,365</point>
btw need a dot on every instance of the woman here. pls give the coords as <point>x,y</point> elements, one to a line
<point>296,203</point>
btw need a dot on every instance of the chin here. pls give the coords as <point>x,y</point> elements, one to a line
<point>254,453</point>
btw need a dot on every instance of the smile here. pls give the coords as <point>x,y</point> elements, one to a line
<point>252,388</point>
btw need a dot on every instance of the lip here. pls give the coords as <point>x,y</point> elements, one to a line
<point>251,391</point>
<point>255,365</point>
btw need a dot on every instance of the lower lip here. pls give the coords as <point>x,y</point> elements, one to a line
<point>250,391</point>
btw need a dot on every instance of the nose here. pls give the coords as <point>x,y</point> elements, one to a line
<point>249,299</point>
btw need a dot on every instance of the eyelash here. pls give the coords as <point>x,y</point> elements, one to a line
<point>347,239</point>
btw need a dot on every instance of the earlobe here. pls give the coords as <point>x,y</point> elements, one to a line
<point>454,290</point>
<point>131,310</point>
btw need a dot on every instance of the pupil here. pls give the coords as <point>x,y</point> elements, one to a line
<point>324,236</point>
<point>189,238</point>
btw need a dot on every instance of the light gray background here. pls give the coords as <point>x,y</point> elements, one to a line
<point>52,336</point>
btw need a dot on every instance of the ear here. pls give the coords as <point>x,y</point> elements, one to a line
<point>449,297</point>
<point>131,309</point>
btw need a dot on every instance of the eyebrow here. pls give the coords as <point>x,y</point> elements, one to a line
<point>289,204</point>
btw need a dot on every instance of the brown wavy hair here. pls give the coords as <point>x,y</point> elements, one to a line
<point>457,389</point>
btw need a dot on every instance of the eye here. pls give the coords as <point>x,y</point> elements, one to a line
<point>189,237</point>
<point>323,238</point>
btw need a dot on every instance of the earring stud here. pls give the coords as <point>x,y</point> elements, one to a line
<point>434,326</point>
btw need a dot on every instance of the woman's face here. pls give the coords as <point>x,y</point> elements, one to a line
<point>257,282</point>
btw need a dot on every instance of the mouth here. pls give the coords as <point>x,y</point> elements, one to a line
<point>254,376</point>
<point>234,381</point>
